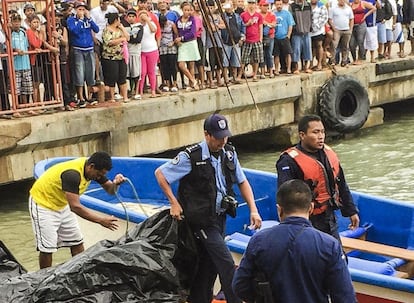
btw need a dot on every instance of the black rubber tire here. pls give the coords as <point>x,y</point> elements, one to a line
<point>343,104</point>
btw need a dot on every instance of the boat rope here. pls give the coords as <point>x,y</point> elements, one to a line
<point>138,200</point>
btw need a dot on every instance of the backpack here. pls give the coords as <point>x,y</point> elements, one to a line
<point>387,10</point>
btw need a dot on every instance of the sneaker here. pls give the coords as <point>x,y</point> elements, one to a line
<point>69,107</point>
<point>165,89</point>
<point>262,77</point>
<point>92,103</point>
<point>137,97</point>
<point>174,89</point>
<point>118,97</point>
<point>81,103</point>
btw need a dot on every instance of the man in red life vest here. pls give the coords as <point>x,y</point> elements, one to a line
<point>312,161</point>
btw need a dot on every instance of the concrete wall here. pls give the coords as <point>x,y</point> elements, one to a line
<point>168,122</point>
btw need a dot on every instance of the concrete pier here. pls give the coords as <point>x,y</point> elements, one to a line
<point>169,122</point>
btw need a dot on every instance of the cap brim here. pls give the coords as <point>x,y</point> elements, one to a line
<point>221,134</point>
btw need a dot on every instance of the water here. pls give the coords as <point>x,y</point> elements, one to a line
<point>377,161</point>
<point>16,229</point>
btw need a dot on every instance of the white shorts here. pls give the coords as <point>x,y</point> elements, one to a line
<point>371,38</point>
<point>398,33</point>
<point>54,229</point>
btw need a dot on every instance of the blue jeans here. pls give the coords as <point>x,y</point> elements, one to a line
<point>84,63</point>
<point>268,54</point>
<point>301,46</point>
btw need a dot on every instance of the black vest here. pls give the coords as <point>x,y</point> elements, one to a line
<point>197,191</point>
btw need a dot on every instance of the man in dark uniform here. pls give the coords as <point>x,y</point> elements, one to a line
<point>300,263</point>
<point>207,172</point>
<point>312,161</point>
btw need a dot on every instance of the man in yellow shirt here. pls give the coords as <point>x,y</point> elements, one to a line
<point>54,201</point>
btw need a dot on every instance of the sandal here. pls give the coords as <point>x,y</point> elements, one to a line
<point>255,79</point>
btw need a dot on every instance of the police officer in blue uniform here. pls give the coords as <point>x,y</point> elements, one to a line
<point>301,263</point>
<point>206,173</point>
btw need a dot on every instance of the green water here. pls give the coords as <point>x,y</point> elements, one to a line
<point>378,161</point>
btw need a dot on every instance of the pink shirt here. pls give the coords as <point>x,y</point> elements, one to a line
<point>199,25</point>
<point>253,30</point>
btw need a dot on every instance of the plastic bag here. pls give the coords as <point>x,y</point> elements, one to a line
<point>146,267</point>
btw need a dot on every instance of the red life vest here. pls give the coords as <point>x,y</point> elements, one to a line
<point>314,171</point>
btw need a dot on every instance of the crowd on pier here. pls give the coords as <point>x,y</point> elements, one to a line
<point>137,49</point>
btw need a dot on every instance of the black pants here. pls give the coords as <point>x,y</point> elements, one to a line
<point>168,65</point>
<point>327,223</point>
<point>215,258</point>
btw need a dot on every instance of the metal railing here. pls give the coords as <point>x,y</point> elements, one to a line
<point>44,68</point>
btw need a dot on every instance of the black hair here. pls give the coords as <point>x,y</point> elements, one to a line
<point>162,20</point>
<point>294,195</point>
<point>101,160</point>
<point>303,124</point>
<point>185,3</point>
<point>111,17</point>
<point>15,17</point>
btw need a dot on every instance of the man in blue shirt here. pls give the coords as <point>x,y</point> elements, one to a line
<point>282,49</point>
<point>80,27</point>
<point>300,263</point>
<point>206,173</point>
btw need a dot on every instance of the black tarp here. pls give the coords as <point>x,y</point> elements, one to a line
<point>155,264</point>
<point>9,266</point>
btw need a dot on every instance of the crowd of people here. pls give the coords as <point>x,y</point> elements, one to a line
<point>126,46</point>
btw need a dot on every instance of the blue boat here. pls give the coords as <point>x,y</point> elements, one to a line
<point>380,252</point>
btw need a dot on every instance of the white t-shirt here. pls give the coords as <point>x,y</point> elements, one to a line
<point>148,42</point>
<point>340,16</point>
<point>389,22</point>
<point>98,16</point>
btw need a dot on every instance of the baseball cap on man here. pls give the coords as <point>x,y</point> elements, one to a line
<point>28,6</point>
<point>251,1</point>
<point>79,4</point>
<point>131,12</point>
<point>263,2</point>
<point>227,5</point>
<point>217,126</point>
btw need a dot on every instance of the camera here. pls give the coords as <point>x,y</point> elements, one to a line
<point>230,204</point>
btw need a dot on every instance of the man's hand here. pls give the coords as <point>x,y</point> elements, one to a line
<point>119,178</point>
<point>176,211</point>
<point>354,222</point>
<point>109,222</point>
<point>255,220</point>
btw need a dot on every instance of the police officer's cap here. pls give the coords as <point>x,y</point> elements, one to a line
<point>217,126</point>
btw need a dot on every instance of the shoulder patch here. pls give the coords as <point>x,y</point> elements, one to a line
<point>192,148</point>
<point>293,153</point>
